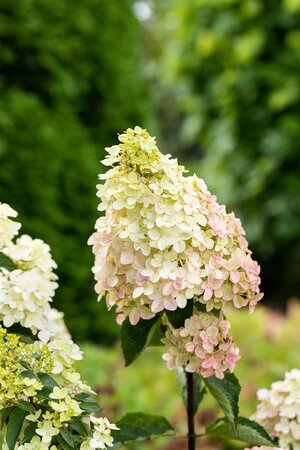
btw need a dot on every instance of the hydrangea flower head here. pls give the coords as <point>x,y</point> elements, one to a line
<point>202,345</point>
<point>27,290</point>
<point>164,239</point>
<point>279,410</point>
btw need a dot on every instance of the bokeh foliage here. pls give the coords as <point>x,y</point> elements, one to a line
<point>70,79</point>
<point>234,67</point>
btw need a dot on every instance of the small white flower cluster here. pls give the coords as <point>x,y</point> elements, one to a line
<point>279,410</point>
<point>101,437</point>
<point>203,345</point>
<point>27,290</point>
<point>164,238</point>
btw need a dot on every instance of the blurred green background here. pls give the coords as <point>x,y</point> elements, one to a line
<point>217,81</point>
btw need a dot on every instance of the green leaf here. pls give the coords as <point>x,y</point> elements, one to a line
<point>29,432</point>
<point>26,406</point>
<point>198,392</point>
<point>6,262</point>
<point>178,316</point>
<point>64,445</point>
<point>4,415</point>
<point>226,392</point>
<point>88,403</point>
<point>157,333</point>
<point>246,431</point>
<point>47,381</point>
<point>135,337</point>
<point>67,436</point>
<point>14,427</point>
<point>140,426</point>
<point>80,427</point>
<point>90,407</point>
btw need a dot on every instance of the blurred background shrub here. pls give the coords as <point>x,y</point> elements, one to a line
<point>70,79</point>
<point>216,80</point>
<point>234,69</point>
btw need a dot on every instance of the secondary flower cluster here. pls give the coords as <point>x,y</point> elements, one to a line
<point>51,410</point>
<point>101,435</point>
<point>203,345</point>
<point>279,410</point>
<point>40,377</point>
<point>164,238</point>
<point>27,287</point>
<point>13,354</point>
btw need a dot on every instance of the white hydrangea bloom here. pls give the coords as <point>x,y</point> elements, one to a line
<point>27,287</point>
<point>8,228</point>
<point>27,291</point>
<point>164,238</point>
<point>279,410</point>
<point>101,437</point>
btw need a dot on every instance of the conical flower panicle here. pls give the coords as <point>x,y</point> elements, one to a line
<point>164,239</point>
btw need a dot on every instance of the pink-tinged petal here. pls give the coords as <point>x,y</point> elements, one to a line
<point>112,281</point>
<point>190,347</point>
<point>127,257</point>
<point>170,304</point>
<point>207,363</point>
<point>219,374</point>
<point>157,306</point>
<point>207,294</point>
<point>134,316</point>
<point>168,288</point>
<point>235,276</point>
<point>178,284</point>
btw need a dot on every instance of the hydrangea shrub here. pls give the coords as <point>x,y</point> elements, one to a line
<point>44,404</point>
<point>172,262</point>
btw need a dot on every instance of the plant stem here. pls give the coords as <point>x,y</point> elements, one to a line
<point>190,411</point>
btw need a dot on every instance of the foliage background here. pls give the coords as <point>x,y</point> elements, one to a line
<point>216,80</point>
<point>70,79</point>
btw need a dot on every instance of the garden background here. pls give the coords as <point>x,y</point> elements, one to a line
<point>217,81</point>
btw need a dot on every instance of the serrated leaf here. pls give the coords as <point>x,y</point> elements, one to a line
<point>198,392</point>
<point>135,337</point>
<point>226,392</point>
<point>14,427</point>
<point>177,317</point>
<point>6,262</point>
<point>246,431</point>
<point>140,426</point>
